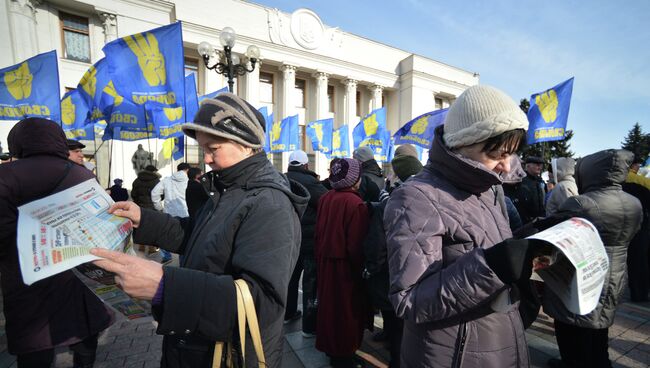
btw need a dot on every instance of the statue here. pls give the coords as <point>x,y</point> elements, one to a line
<point>141,159</point>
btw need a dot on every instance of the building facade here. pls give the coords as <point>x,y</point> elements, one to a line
<point>307,68</point>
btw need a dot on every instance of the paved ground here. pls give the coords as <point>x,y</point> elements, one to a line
<point>135,344</point>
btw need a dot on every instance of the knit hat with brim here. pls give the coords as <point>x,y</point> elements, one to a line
<point>406,166</point>
<point>344,173</point>
<point>480,113</point>
<point>230,117</point>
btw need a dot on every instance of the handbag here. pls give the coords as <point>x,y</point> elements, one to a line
<point>246,314</point>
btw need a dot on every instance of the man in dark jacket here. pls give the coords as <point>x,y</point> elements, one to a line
<point>372,179</point>
<point>249,230</point>
<point>195,193</point>
<point>59,310</point>
<point>638,261</point>
<point>583,339</point>
<point>75,151</point>
<point>299,171</point>
<point>528,196</point>
<point>117,192</point>
<point>142,186</point>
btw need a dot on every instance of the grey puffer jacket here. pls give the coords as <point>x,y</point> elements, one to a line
<point>437,224</point>
<point>617,216</point>
<point>563,170</point>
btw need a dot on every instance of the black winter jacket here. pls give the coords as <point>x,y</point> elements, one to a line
<point>372,181</point>
<point>309,180</point>
<point>250,229</point>
<point>528,197</point>
<point>617,216</point>
<point>142,186</point>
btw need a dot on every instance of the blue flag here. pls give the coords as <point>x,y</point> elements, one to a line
<point>191,97</point>
<point>166,120</point>
<point>371,130</point>
<point>98,91</point>
<point>320,133</point>
<point>178,151</point>
<point>549,112</point>
<point>129,122</point>
<point>75,117</point>
<point>341,142</point>
<point>31,89</point>
<point>382,154</point>
<point>420,131</point>
<point>214,94</point>
<point>149,66</point>
<point>284,135</point>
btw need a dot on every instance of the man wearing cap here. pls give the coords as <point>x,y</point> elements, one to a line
<point>341,226</point>
<point>117,192</point>
<point>372,179</point>
<point>528,196</point>
<point>299,171</point>
<point>75,152</point>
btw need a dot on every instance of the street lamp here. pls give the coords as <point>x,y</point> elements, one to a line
<point>228,64</point>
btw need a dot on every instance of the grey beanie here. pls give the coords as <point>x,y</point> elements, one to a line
<point>231,117</point>
<point>406,150</point>
<point>363,154</point>
<point>480,113</point>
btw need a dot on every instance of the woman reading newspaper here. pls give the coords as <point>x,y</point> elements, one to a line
<point>59,310</point>
<point>249,229</point>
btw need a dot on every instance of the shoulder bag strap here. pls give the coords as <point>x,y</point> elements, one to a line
<point>251,317</point>
<point>241,322</point>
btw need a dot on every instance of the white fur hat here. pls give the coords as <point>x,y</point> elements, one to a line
<point>480,113</point>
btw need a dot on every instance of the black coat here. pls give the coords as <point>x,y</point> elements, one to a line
<point>142,186</point>
<point>372,181</point>
<point>249,230</point>
<point>309,180</point>
<point>58,310</point>
<point>528,197</point>
<point>617,216</point>
<point>376,258</point>
<point>195,197</point>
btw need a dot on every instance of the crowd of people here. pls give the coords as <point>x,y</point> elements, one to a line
<point>440,251</point>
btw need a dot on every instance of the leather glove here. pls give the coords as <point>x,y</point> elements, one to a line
<point>512,259</point>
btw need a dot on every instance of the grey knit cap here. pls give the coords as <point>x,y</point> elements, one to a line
<point>363,154</point>
<point>480,113</point>
<point>231,117</point>
<point>406,149</point>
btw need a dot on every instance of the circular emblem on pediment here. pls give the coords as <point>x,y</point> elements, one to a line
<point>307,28</point>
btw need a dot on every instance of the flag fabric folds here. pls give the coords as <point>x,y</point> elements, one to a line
<point>31,89</point>
<point>75,117</point>
<point>191,97</point>
<point>549,112</point>
<point>283,136</point>
<point>173,147</point>
<point>420,131</point>
<point>371,130</point>
<point>341,142</point>
<point>213,94</point>
<point>148,67</point>
<point>320,133</point>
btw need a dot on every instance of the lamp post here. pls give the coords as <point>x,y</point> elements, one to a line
<point>228,64</point>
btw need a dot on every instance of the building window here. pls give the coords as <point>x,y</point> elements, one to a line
<point>299,95</point>
<point>358,113</point>
<point>192,67</point>
<point>75,36</point>
<point>331,102</point>
<point>266,88</point>
<point>438,103</point>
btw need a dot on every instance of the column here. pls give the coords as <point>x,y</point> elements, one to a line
<point>107,148</point>
<point>287,105</point>
<point>350,107</point>
<point>109,23</point>
<point>22,28</point>
<point>322,104</point>
<point>252,86</point>
<point>377,96</point>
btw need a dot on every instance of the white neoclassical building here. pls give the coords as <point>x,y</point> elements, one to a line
<point>307,68</point>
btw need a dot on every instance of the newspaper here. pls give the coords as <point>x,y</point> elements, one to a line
<point>576,268</point>
<point>57,232</point>
<point>102,283</point>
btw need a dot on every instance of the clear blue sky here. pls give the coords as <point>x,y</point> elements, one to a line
<point>523,47</point>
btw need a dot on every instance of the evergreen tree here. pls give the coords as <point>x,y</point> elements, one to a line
<point>637,142</point>
<point>546,150</point>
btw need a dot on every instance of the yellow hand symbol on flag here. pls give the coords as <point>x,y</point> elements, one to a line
<point>19,81</point>
<point>276,130</point>
<point>370,125</point>
<point>318,128</point>
<point>110,90</point>
<point>67,111</point>
<point>420,125</point>
<point>547,103</point>
<point>89,81</point>
<point>336,140</point>
<point>151,61</point>
<point>173,113</point>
